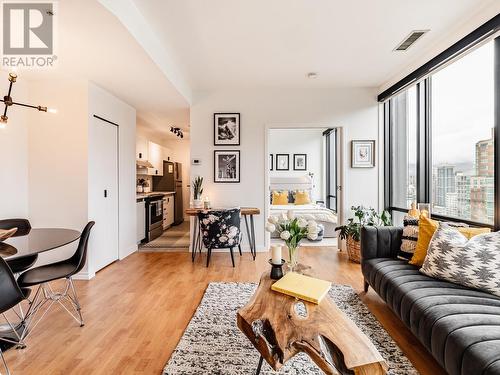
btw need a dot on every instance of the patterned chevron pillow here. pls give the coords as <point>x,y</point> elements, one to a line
<point>473,263</point>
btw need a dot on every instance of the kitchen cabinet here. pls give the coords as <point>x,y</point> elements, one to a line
<point>156,159</point>
<point>168,211</point>
<point>141,221</point>
<point>141,148</point>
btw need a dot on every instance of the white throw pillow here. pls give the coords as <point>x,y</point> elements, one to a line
<point>473,263</point>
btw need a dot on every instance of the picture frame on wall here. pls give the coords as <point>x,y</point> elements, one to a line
<point>299,162</point>
<point>362,154</point>
<point>226,129</point>
<point>227,166</point>
<point>271,162</point>
<point>282,162</point>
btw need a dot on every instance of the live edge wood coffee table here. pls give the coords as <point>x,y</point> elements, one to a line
<point>280,326</point>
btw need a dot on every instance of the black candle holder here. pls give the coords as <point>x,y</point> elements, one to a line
<point>276,269</point>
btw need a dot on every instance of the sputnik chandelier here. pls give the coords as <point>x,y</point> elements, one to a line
<point>8,101</point>
<point>177,131</point>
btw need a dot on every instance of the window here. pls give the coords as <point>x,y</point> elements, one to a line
<point>462,123</point>
<point>440,131</point>
<point>403,123</point>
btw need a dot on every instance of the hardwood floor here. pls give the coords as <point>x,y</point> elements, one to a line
<point>136,310</point>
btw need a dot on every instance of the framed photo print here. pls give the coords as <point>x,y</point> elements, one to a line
<point>282,162</point>
<point>362,154</point>
<point>271,162</point>
<point>299,162</point>
<point>226,166</point>
<point>226,129</point>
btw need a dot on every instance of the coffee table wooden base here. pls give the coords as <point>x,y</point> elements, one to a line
<point>280,326</point>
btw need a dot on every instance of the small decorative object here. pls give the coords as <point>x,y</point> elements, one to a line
<point>292,230</point>
<point>6,233</point>
<point>271,162</point>
<point>276,269</point>
<point>282,162</point>
<point>206,204</point>
<point>141,183</point>
<point>362,154</point>
<point>226,129</point>
<point>413,211</point>
<point>197,191</point>
<point>299,162</point>
<point>425,209</point>
<point>352,230</point>
<point>276,254</point>
<point>226,166</point>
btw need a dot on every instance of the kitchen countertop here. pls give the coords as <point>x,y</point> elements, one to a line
<point>141,196</point>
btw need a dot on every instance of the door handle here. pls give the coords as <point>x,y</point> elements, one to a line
<point>105,193</point>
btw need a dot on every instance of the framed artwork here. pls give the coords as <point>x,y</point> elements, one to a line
<point>299,162</point>
<point>282,162</point>
<point>226,129</point>
<point>226,166</point>
<point>362,154</point>
<point>271,162</point>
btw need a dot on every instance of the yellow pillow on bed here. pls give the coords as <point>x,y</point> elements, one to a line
<point>302,197</point>
<point>280,197</point>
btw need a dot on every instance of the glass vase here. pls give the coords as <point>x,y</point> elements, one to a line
<point>293,257</point>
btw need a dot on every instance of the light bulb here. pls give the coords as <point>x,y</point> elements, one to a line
<point>52,110</point>
<point>3,125</point>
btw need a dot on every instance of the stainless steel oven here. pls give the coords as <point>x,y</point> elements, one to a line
<point>154,217</point>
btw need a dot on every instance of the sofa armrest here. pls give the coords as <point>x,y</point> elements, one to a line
<point>380,242</point>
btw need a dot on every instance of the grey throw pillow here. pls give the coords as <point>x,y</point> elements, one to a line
<point>473,263</point>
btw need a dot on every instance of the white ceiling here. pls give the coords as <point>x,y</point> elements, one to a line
<point>259,43</point>
<point>94,45</point>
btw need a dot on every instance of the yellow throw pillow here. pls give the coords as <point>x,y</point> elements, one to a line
<point>426,229</point>
<point>302,197</point>
<point>280,197</point>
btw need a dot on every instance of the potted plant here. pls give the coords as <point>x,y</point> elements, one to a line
<point>292,230</point>
<point>197,192</point>
<point>351,231</point>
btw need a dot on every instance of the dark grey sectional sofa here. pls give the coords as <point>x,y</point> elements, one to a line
<point>459,326</point>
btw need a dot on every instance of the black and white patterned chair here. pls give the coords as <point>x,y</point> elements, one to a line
<point>220,229</point>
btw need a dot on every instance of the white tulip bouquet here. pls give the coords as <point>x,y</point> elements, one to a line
<point>292,230</point>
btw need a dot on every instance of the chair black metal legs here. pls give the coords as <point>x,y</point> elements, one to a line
<point>232,256</point>
<point>239,248</point>
<point>209,254</point>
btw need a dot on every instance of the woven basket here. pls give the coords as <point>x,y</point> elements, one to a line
<point>353,250</point>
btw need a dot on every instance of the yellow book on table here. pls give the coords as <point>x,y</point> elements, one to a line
<point>302,287</point>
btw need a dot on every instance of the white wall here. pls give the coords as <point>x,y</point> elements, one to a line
<point>107,106</point>
<point>355,110</point>
<point>14,156</point>
<point>58,159</point>
<point>300,141</point>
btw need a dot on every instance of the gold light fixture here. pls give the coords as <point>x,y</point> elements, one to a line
<point>7,100</point>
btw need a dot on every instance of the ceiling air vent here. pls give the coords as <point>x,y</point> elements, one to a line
<point>410,40</point>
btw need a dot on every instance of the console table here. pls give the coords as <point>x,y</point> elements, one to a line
<point>246,212</point>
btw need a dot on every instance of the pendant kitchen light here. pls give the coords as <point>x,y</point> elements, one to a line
<point>7,100</point>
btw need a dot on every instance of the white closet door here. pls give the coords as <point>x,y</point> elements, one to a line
<point>103,193</point>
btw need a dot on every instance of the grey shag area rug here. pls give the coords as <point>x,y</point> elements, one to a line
<point>213,344</point>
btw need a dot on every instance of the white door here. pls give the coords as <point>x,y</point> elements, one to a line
<point>103,193</point>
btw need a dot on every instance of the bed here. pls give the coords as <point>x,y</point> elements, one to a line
<point>312,211</point>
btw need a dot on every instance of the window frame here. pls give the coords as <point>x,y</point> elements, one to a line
<point>424,131</point>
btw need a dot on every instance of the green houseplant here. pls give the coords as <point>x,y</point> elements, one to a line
<point>197,191</point>
<point>351,231</point>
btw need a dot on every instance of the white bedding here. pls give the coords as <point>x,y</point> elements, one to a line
<point>307,211</point>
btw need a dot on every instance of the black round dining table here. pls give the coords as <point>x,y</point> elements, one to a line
<point>37,240</point>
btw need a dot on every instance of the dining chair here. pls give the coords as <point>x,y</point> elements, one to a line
<point>19,264</point>
<point>10,295</point>
<point>220,229</point>
<point>43,275</point>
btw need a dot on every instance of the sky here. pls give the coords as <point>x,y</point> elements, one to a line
<point>462,106</point>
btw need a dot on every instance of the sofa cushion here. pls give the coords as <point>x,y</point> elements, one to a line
<point>458,325</point>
